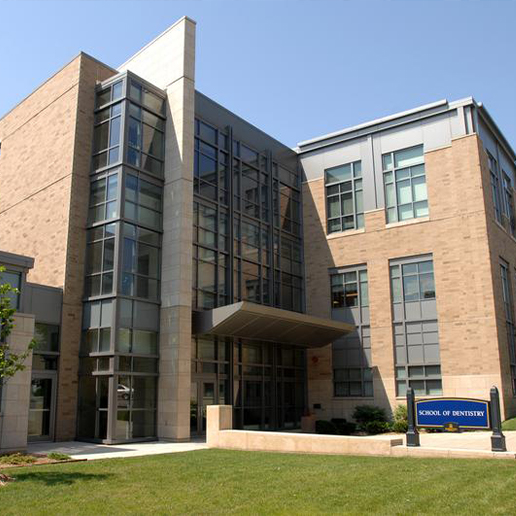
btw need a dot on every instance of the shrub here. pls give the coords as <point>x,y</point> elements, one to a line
<point>325,427</point>
<point>58,456</point>
<point>17,458</point>
<point>367,413</point>
<point>376,427</point>
<point>344,427</point>
<point>400,420</point>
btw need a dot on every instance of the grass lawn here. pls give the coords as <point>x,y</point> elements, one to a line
<point>234,482</point>
<point>509,424</point>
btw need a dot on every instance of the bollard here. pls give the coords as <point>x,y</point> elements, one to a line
<point>497,439</point>
<point>412,432</point>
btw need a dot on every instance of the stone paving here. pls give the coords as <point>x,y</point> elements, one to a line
<point>460,445</point>
<point>91,451</point>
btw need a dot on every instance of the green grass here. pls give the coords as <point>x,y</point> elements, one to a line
<point>17,458</point>
<point>58,456</point>
<point>245,483</point>
<point>509,424</point>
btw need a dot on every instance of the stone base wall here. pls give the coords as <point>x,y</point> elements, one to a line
<point>221,435</point>
<point>14,403</point>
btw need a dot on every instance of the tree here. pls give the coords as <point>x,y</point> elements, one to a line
<point>10,363</point>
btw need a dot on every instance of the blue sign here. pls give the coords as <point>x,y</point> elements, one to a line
<point>464,412</point>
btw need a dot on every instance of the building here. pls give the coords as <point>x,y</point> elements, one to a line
<point>192,259</point>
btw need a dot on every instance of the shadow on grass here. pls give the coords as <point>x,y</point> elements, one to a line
<point>52,478</point>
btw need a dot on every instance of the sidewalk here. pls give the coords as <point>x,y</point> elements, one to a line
<point>464,445</point>
<point>91,451</point>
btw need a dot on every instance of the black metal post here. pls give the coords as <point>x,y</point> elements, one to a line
<point>497,439</point>
<point>412,432</point>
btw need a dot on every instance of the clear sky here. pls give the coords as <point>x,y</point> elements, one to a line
<point>295,68</point>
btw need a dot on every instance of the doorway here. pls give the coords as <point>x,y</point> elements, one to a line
<point>42,406</point>
<point>203,393</point>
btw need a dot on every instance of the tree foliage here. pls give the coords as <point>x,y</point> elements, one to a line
<point>10,362</point>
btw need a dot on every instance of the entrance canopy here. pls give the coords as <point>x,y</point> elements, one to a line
<point>251,321</point>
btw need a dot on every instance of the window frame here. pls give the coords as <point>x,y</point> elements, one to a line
<point>365,371</point>
<point>402,372</point>
<point>393,170</point>
<point>356,190</point>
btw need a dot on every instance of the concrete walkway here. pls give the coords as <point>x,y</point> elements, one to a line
<point>460,445</point>
<point>468,444</point>
<point>466,440</point>
<point>90,451</point>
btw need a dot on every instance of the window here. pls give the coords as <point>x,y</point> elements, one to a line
<point>137,341</point>
<point>495,186</point>
<point>97,322</point>
<point>415,327</point>
<point>210,258</point>
<point>352,372</point>
<point>46,353</point>
<point>140,263</point>
<point>14,279</point>
<point>509,203</point>
<point>509,320</point>
<point>100,260</point>
<point>47,338</point>
<point>345,289</point>
<point>106,135</point>
<point>143,201</point>
<point>146,140</point>
<point>344,197</point>
<point>103,198</point>
<point>405,184</point>
<point>265,215</point>
<point>109,94</point>
<point>286,200</point>
<point>211,165</point>
<point>143,96</point>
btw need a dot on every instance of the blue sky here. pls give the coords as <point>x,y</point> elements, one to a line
<point>295,68</point>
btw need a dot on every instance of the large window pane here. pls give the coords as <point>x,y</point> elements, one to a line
<point>114,134</point>
<point>152,141</point>
<point>150,195</point>
<point>148,260</point>
<point>337,174</point>
<point>410,288</point>
<point>135,133</point>
<point>419,188</point>
<point>407,157</point>
<point>403,191</point>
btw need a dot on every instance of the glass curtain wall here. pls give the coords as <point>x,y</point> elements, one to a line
<point>119,351</point>
<point>248,247</point>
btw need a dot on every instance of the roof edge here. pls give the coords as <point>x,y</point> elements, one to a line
<point>81,54</point>
<point>168,29</point>
<point>376,121</point>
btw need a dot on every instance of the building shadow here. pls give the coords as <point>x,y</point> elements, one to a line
<point>53,478</point>
<point>322,254</point>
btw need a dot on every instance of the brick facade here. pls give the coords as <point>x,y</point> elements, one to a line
<point>467,285</point>
<point>45,162</point>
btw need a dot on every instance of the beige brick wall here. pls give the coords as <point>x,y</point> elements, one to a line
<point>456,234</point>
<point>502,246</point>
<point>44,167</point>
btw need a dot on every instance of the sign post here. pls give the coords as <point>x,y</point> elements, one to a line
<point>497,439</point>
<point>412,432</point>
<point>454,414</point>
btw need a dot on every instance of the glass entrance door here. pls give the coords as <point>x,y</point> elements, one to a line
<point>203,393</point>
<point>42,407</point>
